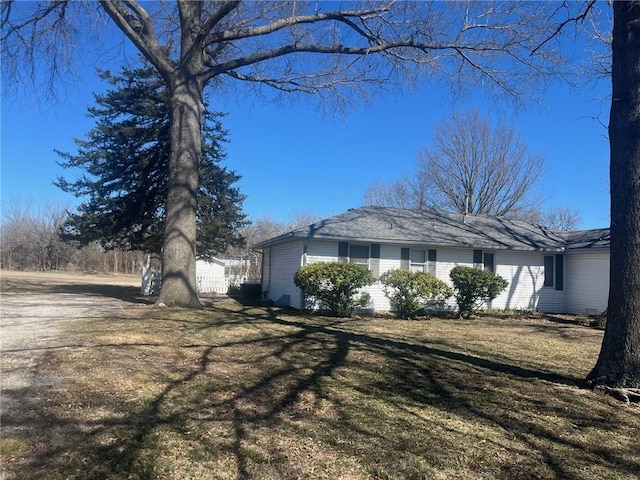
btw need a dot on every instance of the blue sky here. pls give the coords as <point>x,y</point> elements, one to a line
<point>293,158</point>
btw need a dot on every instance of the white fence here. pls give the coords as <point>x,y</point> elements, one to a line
<point>218,283</point>
<point>151,281</point>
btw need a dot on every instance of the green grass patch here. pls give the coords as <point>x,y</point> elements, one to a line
<point>236,392</point>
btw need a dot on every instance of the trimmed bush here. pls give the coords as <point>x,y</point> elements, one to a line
<point>408,291</point>
<point>334,285</point>
<point>474,287</point>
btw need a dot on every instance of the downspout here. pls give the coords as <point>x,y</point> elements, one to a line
<point>262,279</point>
<point>270,268</point>
<point>303,262</point>
<point>564,280</point>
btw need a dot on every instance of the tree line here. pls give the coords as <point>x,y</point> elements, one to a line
<point>32,241</point>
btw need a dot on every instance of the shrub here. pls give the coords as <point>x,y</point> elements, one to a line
<point>333,284</point>
<point>409,291</point>
<point>474,287</point>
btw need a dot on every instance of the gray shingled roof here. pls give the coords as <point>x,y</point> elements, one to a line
<point>597,238</point>
<point>440,229</point>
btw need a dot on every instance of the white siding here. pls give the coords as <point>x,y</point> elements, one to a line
<point>284,262</point>
<point>525,273</point>
<point>389,259</point>
<point>587,282</point>
<point>523,270</point>
<point>322,252</point>
<point>449,258</point>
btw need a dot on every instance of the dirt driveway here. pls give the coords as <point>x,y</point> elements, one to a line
<point>33,308</point>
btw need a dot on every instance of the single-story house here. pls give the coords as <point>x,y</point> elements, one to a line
<point>548,270</point>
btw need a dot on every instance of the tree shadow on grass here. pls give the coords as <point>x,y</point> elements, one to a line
<point>79,285</point>
<point>129,294</point>
<point>289,396</point>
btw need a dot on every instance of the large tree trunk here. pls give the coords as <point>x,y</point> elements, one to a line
<point>179,250</point>
<point>619,362</point>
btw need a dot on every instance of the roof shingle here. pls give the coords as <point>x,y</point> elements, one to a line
<point>441,229</point>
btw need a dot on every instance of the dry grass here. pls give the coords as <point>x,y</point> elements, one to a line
<point>246,392</point>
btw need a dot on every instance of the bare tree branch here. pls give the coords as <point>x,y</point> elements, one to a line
<point>472,168</point>
<point>554,34</point>
<point>137,25</point>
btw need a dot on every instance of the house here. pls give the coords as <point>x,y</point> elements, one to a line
<point>547,270</point>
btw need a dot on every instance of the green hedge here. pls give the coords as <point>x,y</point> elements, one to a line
<point>333,284</point>
<point>474,287</point>
<point>408,291</point>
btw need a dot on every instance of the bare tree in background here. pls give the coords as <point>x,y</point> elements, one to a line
<point>335,49</point>
<point>31,241</point>
<point>472,167</point>
<point>477,168</point>
<point>561,218</point>
<point>262,229</point>
<point>31,235</point>
<point>400,193</point>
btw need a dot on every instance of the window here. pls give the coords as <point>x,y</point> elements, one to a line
<point>343,252</point>
<point>483,261</point>
<point>418,260</point>
<point>405,258</point>
<point>488,262</point>
<point>554,271</point>
<point>374,260</point>
<point>359,254</point>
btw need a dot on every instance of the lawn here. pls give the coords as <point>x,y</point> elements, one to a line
<point>237,392</point>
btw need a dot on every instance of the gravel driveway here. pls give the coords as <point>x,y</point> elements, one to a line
<point>33,308</point>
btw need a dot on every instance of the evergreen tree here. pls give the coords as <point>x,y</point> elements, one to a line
<point>125,164</point>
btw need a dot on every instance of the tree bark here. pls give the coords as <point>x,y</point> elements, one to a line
<point>618,364</point>
<point>179,251</point>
